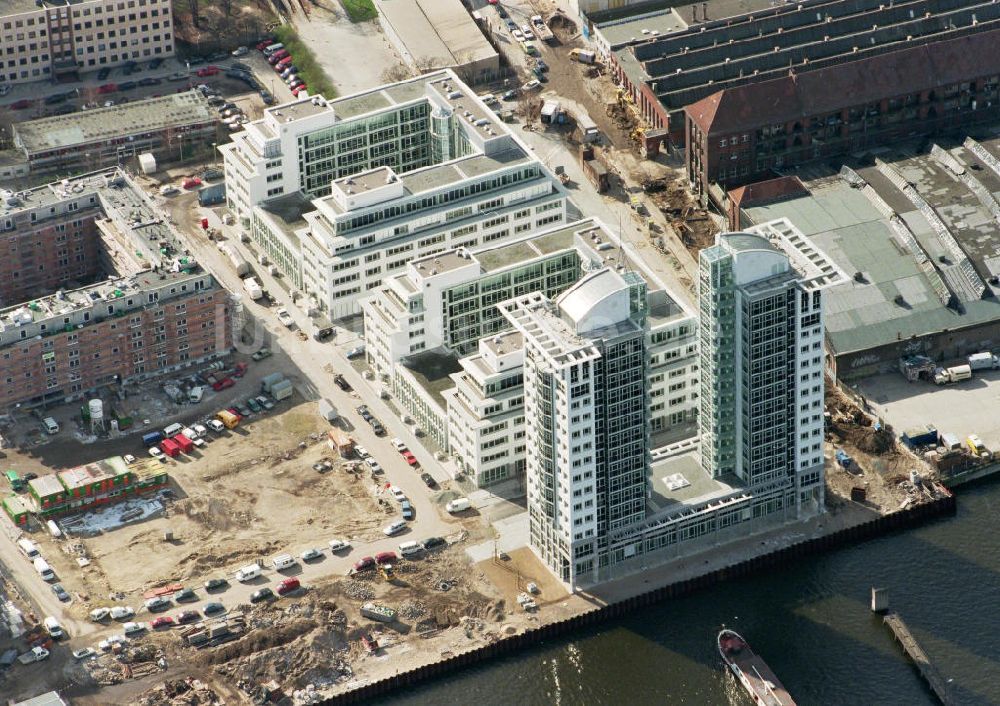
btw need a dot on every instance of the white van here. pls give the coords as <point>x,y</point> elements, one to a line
<point>248,573</point>
<point>54,629</point>
<point>410,548</point>
<point>195,394</point>
<point>173,429</point>
<point>458,505</point>
<point>51,426</point>
<point>283,561</point>
<point>44,570</point>
<point>29,548</point>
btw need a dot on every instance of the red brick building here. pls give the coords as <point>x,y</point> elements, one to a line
<point>750,132</point>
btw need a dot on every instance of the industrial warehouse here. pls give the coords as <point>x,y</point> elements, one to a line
<point>90,272</point>
<point>919,236</point>
<point>664,72</point>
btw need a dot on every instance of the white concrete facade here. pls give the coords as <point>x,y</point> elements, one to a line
<point>44,39</point>
<point>380,179</point>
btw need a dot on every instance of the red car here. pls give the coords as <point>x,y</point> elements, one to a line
<point>191,182</point>
<point>299,89</point>
<point>411,459</point>
<point>288,585</point>
<point>240,369</point>
<point>223,384</point>
<point>208,71</point>
<point>108,88</point>
<point>386,558</point>
<point>164,621</point>
<point>21,104</point>
<point>364,563</point>
<point>370,644</point>
<point>235,412</point>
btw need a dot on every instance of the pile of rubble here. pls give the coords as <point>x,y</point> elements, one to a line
<point>180,692</point>
<point>357,590</point>
<point>411,610</point>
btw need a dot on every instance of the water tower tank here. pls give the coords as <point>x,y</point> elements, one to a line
<point>96,412</point>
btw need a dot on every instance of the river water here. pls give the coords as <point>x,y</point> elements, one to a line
<point>810,622</point>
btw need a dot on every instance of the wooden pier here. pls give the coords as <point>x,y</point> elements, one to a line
<point>912,648</point>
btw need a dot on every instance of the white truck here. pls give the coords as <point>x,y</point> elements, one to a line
<point>984,361</point>
<point>37,654</point>
<point>541,29</point>
<point>253,288</point>
<point>956,373</point>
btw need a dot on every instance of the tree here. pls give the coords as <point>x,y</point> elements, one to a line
<point>193,6</point>
<point>397,72</point>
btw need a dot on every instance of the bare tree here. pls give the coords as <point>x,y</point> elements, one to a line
<point>193,6</point>
<point>397,72</point>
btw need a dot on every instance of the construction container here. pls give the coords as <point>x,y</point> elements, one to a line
<point>152,438</point>
<point>914,438</point>
<point>170,448</point>
<point>282,390</point>
<point>270,381</point>
<point>186,444</point>
<point>230,420</point>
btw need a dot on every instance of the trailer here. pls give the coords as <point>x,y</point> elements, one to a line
<point>340,441</point>
<point>375,611</point>
<point>550,109</point>
<point>327,410</point>
<point>170,448</point>
<point>212,195</point>
<point>282,390</point>
<point>594,169</point>
<point>588,128</point>
<point>185,444</point>
<point>915,438</point>
<point>240,263</point>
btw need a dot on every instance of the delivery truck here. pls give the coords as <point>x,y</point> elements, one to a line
<point>984,361</point>
<point>170,448</point>
<point>253,288</point>
<point>184,443</point>
<point>269,381</point>
<point>584,56</point>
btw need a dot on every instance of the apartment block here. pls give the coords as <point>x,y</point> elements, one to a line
<point>341,194</point>
<point>147,309</point>
<point>52,39</point>
<point>438,326</point>
<point>586,408</point>
<point>761,349</point>
<point>486,432</point>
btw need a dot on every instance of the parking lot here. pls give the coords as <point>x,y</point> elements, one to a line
<point>956,408</point>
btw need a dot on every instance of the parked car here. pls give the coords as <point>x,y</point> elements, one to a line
<point>397,493</point>
<point>432,543</point>
<point>155,452</point>
<point>240,51</point>
<point>156,604</point>
<point>339,545</point>
<point>364,412</point>
<point>254,406</point>
<point>406,509</point>
<point>83,653</point>
<point>103,73</point>
<point>288,585</point>
<point>386,558</point>
<point>127,86</point>
<point>186,595</point>
<point>177,76</point>
<point>532,85</point>
<point>509,95</point>
<point>373,465</point>
<point>150,81</point>
<point>21,104</point>
<point>243,411</point>
<point>301,88</point>
<point>411,459</point>
<point>340,382</point>
<point>267,97</point>
<point>311,554</point>
<point>364,563</point>
<point>187,616</point>
<point>216,584</point>
<point>517,34</point>
<point>261,594</point>
<point>191,183</point>
<point>361,452</point>
<point>155,63</point>
<point>213,608</point>
<point>99,614</point>
<point>164,621</point>
<point>208,71</point>
<point>355,352</point>
<point>121,612</point>
<point>107,88</point>
<point>428,480</point>
<point>261,354</point>
<point>60,592</point>
<point>398,444</point>
<point>377,427</point>
<point>394,528</point>
<point>265,402</point>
